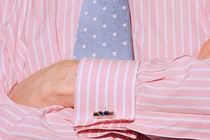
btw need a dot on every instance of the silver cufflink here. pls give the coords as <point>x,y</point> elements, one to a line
<point>104,114</point>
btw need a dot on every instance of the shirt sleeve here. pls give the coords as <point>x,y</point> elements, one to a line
<point>172,99</point>
<point>8,76</point>
<point>105,85</point>
<point>208,10</point>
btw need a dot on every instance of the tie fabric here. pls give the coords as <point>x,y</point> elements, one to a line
<point>104,30</point>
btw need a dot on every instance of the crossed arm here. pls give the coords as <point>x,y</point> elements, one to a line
<point>54,85</point>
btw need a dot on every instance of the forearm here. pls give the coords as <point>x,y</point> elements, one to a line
<point>53,85</point>
<point>171,97</point>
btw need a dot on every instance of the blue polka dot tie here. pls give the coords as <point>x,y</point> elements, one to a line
<point>104,30</point>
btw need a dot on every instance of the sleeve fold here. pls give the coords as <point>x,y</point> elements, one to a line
<point>105,86</point>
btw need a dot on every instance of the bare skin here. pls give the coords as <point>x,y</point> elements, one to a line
<point>205,51</point>
<point>54,85</point>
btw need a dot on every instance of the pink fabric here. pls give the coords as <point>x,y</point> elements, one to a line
<point>33,35</point>
<point>171,98</point>
<point>112,87</point>
<point>169,28</point>
<point>37,33</point>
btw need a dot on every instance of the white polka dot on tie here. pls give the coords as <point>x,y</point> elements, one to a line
<point>84,46</point>
<point>114,16</point>
<point>104,8</point>
<point>124,43</point>
<point>85,29</point>
<point>94,36</point>
<point>114,53</point>
<point>104,26</point>
<point>86,13</point>
<point>93,54</point>
<point>94,1</point>
<point>114,34</point>
<point>104,44</point>
<point>94,19</point>
<point>124,24</point>
<point>124,7</point>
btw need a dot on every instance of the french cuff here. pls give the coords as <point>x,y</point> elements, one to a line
<point>105,93</point>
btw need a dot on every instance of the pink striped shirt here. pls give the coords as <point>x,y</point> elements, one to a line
<point>35,34</point>
<point>171,97</point>
<point>169,28</point>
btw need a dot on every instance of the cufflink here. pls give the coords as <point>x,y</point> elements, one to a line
<point>104,114</point>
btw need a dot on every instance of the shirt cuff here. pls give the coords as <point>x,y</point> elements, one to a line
<point>106,88</point>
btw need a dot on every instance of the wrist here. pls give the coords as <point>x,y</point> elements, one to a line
<point>65,92</point>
